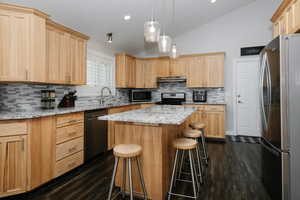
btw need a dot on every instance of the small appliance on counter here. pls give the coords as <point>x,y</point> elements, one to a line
<point>140,95</point>
<point>199,95</point>
<point>48,99</point>
<point>68,100</point>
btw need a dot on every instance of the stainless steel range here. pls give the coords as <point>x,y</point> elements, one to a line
<point>175,98</point>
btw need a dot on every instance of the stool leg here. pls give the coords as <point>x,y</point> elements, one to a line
<point>192,172</point>
<point>195,170</point>
<point>173,175</point>
<point>204,148</point>
<point>199,164</point>
<point>181,164</point>
<point>124,178</point>
<point>113,178</point>
<point>130,178</point>
<point>141,178</point>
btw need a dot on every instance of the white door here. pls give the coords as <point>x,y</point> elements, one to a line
<point>247,96</point>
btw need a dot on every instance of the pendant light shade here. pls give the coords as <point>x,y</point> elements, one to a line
<point>164,44</point>
<point>151,31</point>
<point>173,52</point>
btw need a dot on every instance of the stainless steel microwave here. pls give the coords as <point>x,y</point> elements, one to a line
<point>140,95</point>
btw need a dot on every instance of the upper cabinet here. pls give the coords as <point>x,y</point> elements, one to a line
<point>39,50</point>
<point>125,71</point>
<point>65,55</point>
<point>201,70</point>
<point>22,35</point>
<point>286,20</point>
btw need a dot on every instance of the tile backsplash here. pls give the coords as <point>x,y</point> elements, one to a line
<point>20,97</point>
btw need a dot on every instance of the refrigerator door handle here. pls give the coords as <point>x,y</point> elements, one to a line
<point>263,68</point>
<point>269,86</point>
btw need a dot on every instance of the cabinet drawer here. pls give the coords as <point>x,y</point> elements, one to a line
<point>68,119</point>
<point>9,128</point>
<point>68,163</point>
<point>65,149</point>
<point>220,108</point>
<point>67,133</point>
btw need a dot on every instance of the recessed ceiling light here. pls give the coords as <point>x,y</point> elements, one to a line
<point>127,17</point>
<point>213,1</point>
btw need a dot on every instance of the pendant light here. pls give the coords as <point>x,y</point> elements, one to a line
<point>164,44</point>
<point>173,52</point>
<point>165,41</point>
<point>152,29</point>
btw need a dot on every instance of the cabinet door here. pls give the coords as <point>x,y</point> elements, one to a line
<point>13,159</point>
<point>150,74</point>
<point>130,72</point>
<point>215,67</point>
<point>276,28</point>
<point>37,68</point>
<point>163,67</point>
<point>214,124</point>
<point>290,19</point>
<point>140,70</point>
<point>14,45</point>
<point>178,66</point>
<point>197,72</point>
<point>57,56</point>
<point>42,151</point>
<point>78,60</point>
<point>283,25</point>
<point>296,7</point>
<point>121,71</point>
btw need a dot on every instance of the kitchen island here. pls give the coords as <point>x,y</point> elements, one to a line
<point>153,128</point>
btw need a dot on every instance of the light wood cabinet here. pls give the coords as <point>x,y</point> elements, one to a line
<point>214,118</point>
<point>22,35</point>
<point>58,62</point>
<point>125,71</point>
<point>178,66</point>
<point>286,19</point>
<point>205,70</point>
<point>162,67</point>
<point>111,124</point>
<point>42,151</point>
<point>13,157</point>
<point>146,73</point>
<point>65,56</point>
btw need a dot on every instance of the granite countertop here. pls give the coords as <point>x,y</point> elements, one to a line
<point>205,103</point>
<point>159,114</point>
<point>43,113</point>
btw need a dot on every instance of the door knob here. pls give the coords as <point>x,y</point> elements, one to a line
<point>240,101</point>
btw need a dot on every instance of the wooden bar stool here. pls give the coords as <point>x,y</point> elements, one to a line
<point>182,145</point>
<point>201,126</point>
<point>127,152</point>
<point>193,134</point>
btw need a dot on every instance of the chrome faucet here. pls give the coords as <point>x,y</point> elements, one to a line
<point>101,94</point>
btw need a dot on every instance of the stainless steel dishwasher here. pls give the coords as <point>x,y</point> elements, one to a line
<point>95,134</point>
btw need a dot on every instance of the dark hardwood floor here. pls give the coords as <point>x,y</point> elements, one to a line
<point>233,174</point>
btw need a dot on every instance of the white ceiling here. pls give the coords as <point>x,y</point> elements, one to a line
<point>97,17</point>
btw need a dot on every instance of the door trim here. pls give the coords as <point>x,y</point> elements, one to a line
<point>234,87</point>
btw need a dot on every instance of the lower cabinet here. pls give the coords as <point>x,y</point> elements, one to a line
<point>13,158</point>
<point>214,118</point>
<point>111,124</point>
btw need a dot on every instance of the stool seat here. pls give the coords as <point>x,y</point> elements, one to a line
<point>197,125</point>
<point>185,144</point>
<point>192,133</point>
<point>127,150</point>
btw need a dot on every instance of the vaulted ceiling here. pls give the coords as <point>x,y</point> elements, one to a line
<point>98,17</point>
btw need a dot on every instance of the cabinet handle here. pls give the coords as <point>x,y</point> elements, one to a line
<point>26,74</point>
<point>72,134</point>
<point>73,121</point>
<point>72,164</point>
<point>72,149</point>
<point>23,144</point>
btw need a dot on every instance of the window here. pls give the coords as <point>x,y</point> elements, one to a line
<point>100,73</point>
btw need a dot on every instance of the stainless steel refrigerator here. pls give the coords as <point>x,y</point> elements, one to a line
<point>280,114</point>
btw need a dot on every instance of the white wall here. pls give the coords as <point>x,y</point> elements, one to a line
<point>246,26</point>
